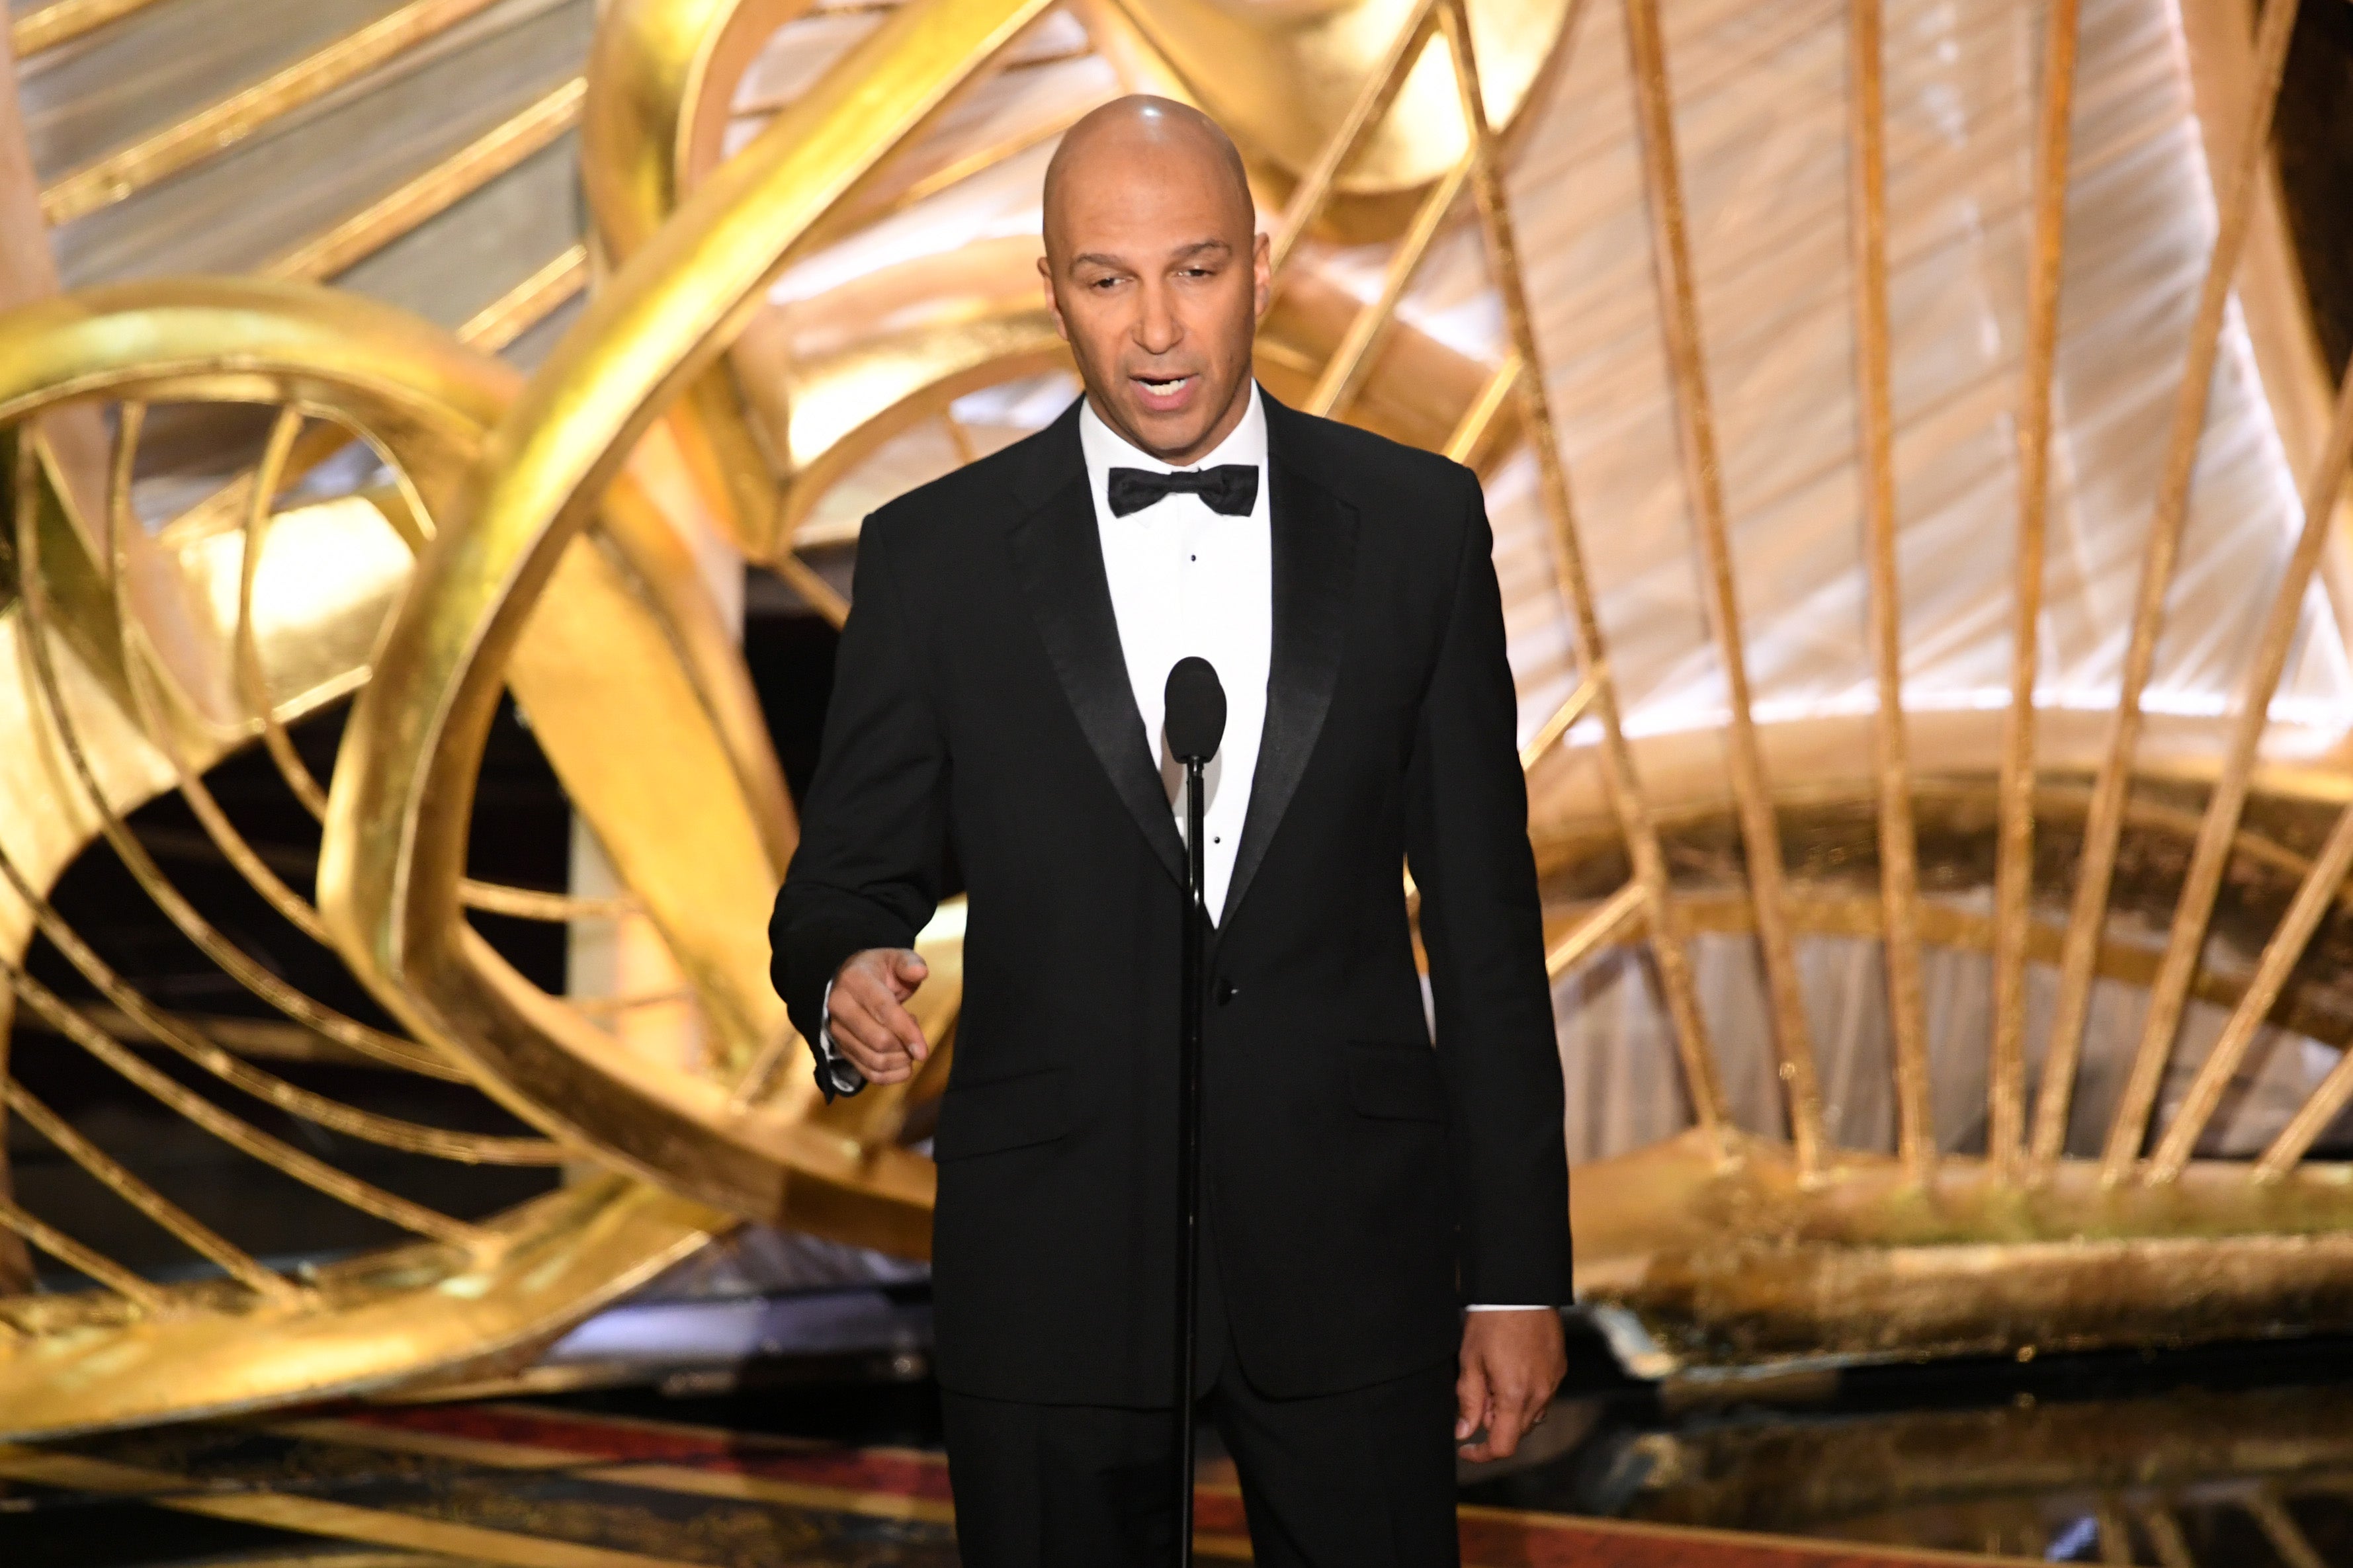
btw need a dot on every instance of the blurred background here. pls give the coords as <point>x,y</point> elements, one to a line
<point>435,435</point>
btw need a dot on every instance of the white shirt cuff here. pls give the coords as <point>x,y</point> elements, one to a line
<point>1503,1306</point>
<point>838,1070</point>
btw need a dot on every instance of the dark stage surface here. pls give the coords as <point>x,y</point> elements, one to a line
<point>2229,1458</point>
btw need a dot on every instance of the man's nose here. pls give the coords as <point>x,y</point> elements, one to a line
<point>1157,329</point>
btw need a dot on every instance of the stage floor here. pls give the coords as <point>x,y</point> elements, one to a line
<point>432,1487</point>
<point>2230,1457</point>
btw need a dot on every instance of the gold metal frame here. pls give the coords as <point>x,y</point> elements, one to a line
<point>114,723</point>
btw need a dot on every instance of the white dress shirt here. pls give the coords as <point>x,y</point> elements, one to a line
<point>1184,580</point>
<point>1187,580</point>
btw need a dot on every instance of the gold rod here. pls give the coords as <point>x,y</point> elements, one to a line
<point>1596,930</point>
<point>760,1075</point>
<point>1480,416</point>
<point>529,904</point>
<point>1379,91</point>
<point>110,1173</point>
<point>511,315</point>
<point>131,423</point>
<point>1669,940</point>
<point>1549,732</point>
<point>1353,360</point>
<point>815,591</point>
<point>63,21</point>
<point>2103,828</point>
<point>2311,1120</point>
<point>959,438</point>
<point>613,1006</point>
<point>224,507</point>
<point>2164,1530</point>
<point>1695,423</point>
<point>80,1258</point>
<point>2288,1538</point>
<point>434,191</point>
<point>224,124</point>
<point>2313,900</point>
<point>2116,1532</point>
<point>849,219</point>
<point>257,1039</point>
<point>294,909</point>
<point>236,1132</point>
<point>768,105</point>
<point>1899,869</point>
<point>2212,855</point>
<point>2014,852</point>
<point>260,500</point>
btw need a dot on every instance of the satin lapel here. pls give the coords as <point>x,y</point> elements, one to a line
<point>1314,545</point>
<point>1057,556</point>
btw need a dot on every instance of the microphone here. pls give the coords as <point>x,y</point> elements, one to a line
<point>1195,709</point>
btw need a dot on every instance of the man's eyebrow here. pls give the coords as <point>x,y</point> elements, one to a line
<point>1119,264</point>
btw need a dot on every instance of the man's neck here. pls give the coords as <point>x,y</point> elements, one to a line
<point>1228,423</point>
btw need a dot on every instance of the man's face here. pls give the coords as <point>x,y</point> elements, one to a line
<point>1157,282</point>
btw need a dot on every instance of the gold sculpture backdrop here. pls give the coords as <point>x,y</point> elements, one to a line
<point>531,535</point>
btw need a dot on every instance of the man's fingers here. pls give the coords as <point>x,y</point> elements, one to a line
<point>1500,1440</point>
<point>862,993</point>
<point>1497,1408</point>
<point>909,971</point>
<point>869,1044</point>
<point>904,1027</point>
<point>1470,1401</point>
<point>879,1066</point>
<point>1509,1421</point>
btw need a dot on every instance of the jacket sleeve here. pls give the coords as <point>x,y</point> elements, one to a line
<point>874,829</point>
<point>1467,843</point>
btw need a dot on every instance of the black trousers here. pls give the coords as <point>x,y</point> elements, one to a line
<point>1363,1478</point>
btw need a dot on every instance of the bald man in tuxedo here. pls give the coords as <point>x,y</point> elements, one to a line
<point>1385,1220</point>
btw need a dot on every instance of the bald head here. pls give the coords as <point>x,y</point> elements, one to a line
<point>1155,271</point>
<point>1143,137</point>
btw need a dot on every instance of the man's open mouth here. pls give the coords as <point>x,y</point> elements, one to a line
<point>1162,391</point>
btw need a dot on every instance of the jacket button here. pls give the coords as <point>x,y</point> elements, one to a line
<point>1225,992</point>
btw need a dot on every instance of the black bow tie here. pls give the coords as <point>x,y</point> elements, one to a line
<point>1229,488</point>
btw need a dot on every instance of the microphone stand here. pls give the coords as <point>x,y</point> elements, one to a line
<point>1188,1155</point>
<point>1196,721</point>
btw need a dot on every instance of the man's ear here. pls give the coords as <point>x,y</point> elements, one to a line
<point>1053,305</point>
<point>1262,273</point>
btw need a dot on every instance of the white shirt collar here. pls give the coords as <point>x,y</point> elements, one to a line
<point>1106,449</point>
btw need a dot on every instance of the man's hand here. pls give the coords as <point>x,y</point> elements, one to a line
<point>866,1017</point>
<point>1512,1362</point>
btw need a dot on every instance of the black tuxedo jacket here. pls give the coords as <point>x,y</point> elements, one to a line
<point>1361,1186</point>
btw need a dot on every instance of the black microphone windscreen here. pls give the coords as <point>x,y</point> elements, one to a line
<point>1196,710</point>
